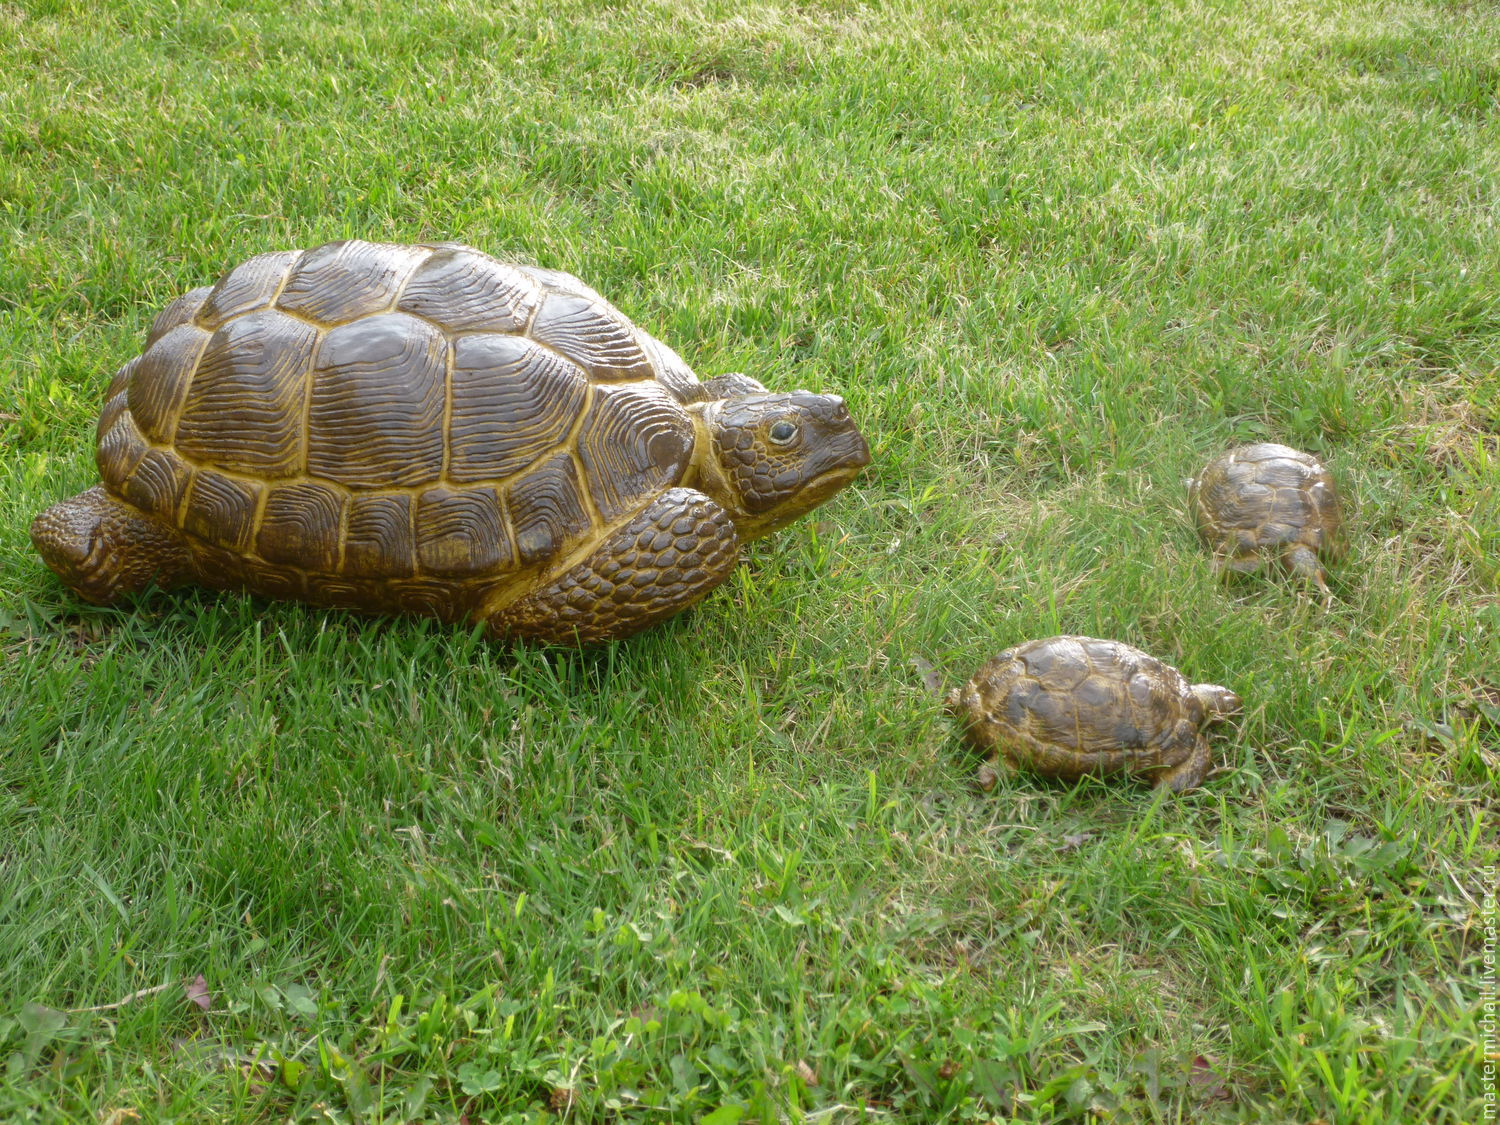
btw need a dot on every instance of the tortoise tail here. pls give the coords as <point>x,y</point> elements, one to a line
<point>102,548</point>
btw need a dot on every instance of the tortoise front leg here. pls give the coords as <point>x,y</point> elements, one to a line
<point>1190,772</point>
<point>992,770</point>
<point>664,560</point>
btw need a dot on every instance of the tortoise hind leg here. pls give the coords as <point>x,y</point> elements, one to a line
<point>1302,562</point>
<point>102,548</point>
<point>662,561</point>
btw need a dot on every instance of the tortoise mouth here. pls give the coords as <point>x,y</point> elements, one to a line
<point>851,453</point>
<point>819,489</point>
<point>831,481</point>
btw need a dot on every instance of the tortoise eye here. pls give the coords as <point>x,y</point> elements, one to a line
<point>783,432</point>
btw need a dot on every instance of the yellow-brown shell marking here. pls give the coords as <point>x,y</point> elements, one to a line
<point>1069,706</point>
<point>393,426</point>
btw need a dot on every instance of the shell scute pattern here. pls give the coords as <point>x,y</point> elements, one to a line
<point>158,482</point>
<point>160,382</point>
<point>379,541</point>
<point>243,409</point>
<point>340,282</point>
<point>671,371</point>
<point>119,385</point>
<point>1061,668</point>
<point>513,401</point>
<point>253,284</point>
<point>274,581</point>
<point>335,590</point>
<point>181,311</point>
<point>547,510</point>
<point>302,525</point>
<point>426,596</point>
<point>362,420</point>
<point>567,283</point>
<point>634,442</point>
<point>221,509</point>
<point>378,398</point>
<point>120,449</point>
<point>461,532</point>
<point>462,290</point>
<point>592,334</point>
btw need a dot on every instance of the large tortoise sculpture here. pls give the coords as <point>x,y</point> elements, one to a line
<point>425,429</point>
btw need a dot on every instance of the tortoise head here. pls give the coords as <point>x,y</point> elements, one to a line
<point>1217,702</point>
<point>773,457</point>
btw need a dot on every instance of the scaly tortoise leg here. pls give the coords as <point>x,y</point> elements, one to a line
<point>664,560</point>
<point>1303,562</point>
<point>992,770</point>
<point>1189,773</point>
<point>103,548</point>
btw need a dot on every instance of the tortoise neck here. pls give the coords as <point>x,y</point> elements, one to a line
<point>704,471</point>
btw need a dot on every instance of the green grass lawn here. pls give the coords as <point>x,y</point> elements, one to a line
<point>1055,256</point>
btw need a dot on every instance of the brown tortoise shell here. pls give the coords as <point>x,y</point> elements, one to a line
<point>1068,706</point>
<point>262,419</point>
<point>1266,498</point>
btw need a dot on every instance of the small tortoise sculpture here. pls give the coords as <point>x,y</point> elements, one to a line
<point>424,429</point>
<point>1068,706</point>
<point>1269,499</point>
